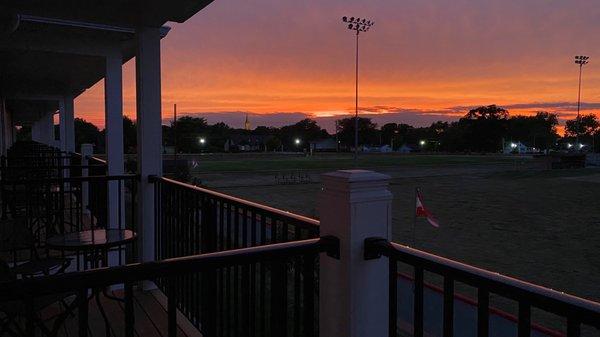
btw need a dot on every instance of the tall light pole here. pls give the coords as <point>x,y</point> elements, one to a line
<point>358,25</point>
<point>581,60</point>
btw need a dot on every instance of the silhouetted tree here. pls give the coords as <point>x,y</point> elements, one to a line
<point>536,131</point>
<point>307,130</point>
<point>129,135</point>
<point>188,131</point>
<point>86,132</point>
<point>586,126</point>
<point>490,112</point>
<point>484,128</point>
<point>367,131</point>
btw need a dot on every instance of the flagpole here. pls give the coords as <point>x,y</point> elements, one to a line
<point>415,216</point>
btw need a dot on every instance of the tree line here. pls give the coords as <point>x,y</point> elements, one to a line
<point>483,129</point>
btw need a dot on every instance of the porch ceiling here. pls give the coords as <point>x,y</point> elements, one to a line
<point>41,58</point>
<point>31,110</point>
<point>128,13</point>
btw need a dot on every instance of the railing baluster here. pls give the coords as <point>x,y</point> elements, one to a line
<point>309,295</point>
<point>573,327</point>
<point>172,308</point>
<point>236,272</point>
<point>278,298</point>
<point>129,313</point>
<point>524,319</point>
<point>418,303</point>
<point>393,301</point>
<point>483,313</point>
<point>83,312</point>
<point>262,278</point>
<point>448,306</point>
<point>297,286</point>
<point>30,316</point>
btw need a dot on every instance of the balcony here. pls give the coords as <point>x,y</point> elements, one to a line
<point>89,250</point>
<point>223,266</point>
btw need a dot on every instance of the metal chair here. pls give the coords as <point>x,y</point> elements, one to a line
<point>17,241</point>
<point>17,311</point>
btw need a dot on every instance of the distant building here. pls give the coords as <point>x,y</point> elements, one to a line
<point>246,143</point>
<point>324,145</point>
<point>405,149</point>
<point>380,148</point>
<point>247,125</point>
<point>516,148</point>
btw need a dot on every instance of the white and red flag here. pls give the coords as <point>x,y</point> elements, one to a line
<point>422,212</point>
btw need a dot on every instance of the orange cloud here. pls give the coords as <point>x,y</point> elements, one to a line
<point>426,58</point>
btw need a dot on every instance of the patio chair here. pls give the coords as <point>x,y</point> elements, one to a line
<point>17,241</point>
<point>13,313</point>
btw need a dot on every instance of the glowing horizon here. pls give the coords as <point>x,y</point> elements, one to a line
<point>420,61</point>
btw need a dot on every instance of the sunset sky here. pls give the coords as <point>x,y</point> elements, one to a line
<point>283,60</point>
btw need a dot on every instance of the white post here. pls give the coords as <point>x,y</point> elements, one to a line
<point>42,130</point>
<point>3,146</point>
<point>67,124</point>
<point>149,131</point>
<point>113,116</point>
<point>353,300</point>
<point>36,131</point>
<point>67,129</point>
<point>8,129</point>
<point>87,150</point>
<point>47,127</point>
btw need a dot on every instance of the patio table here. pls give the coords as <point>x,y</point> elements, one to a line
<point>94,245</point>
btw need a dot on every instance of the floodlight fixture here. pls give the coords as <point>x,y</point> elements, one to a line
<point>581,60</point>
<point>358,25</point>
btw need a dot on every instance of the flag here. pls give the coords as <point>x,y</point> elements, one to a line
<point>422,212</point>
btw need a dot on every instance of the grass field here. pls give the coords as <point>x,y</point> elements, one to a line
<point>499,213</point>
<point>277,162</point>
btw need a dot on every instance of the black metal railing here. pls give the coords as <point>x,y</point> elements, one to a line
<point>575,310</point>
<point>202,267</point>
<point>56,205</point>
<point>32,162</point>
<point>192,220</point>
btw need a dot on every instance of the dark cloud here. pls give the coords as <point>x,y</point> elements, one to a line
<point>236,119</point>
<point>552,106</point>
<point>380,114</point>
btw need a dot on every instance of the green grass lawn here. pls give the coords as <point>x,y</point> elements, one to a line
<point>336,162</point>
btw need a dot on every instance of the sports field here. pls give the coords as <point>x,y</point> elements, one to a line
<point>501,213</point>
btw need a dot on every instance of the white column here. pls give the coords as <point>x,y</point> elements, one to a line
<point>36,132</point>
<point>6,129</point>
<point>42,130</point>
<point>48,126</point>
<point>149,132</point>
<point>113,116</point>
<point>87,150</point>
<point>353,299</point>
<point>67,124</point>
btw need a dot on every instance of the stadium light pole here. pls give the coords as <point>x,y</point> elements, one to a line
<point>581,60</point>
<point>358,25</point>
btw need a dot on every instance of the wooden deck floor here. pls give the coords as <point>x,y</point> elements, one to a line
<point>150,318</point>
